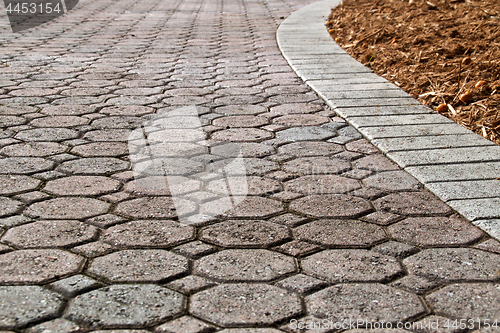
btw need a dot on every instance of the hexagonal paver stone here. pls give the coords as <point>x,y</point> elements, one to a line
<point>159,185</point>
<point>8,121</point>
<point>245,305</point>
<point>22,305</point>
<point>295,108</point>
<point>301,120</point>
<point>82,185</point>
<point>435,231</point>
<point>74,285</point>
<point>252,207</point>
<point>393,181</point>
<point>351,266</point>
<point>240,121</point>
<point>468,301</point>
<point>308,149</point>
<point>126,305</point>
<point>59,121</point>
<point>250,149</point>
<point>47,134</point>
<point>117,122</point>
<point>332,233</point>
<point>245,265</point>
<point>93,166</point>
<point>112,135</point>
<point>321,184</point>
<point>34,149</point>
<point>191,284</point>
<point>9,206</point>
<point>144,233</point>
<point>24,165</point>
<point>332,205</point>
<point>242,135</point>
<point>312,133</point>
<point>245,233</point>
<point>241,109</point>
<point>371,302</point>
<point>412,203</point>
<point>99,149</point>
<point>67,208</point>
<point>69,110</point>
<point>375,163</point>
<point>301,283</point>
<point>50,234</point>
<point>138,266</point>
<point>127,110</point>
<point>256,185</point>
<point>37,266</point>
<point>316,165</point>
<point>259,167</point>
<point>452,264</point>
<point>154,207</point>
<point>14,184</point>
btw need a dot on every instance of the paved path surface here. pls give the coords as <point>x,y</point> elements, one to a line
<point>330,229</point>
<point>460,167</point>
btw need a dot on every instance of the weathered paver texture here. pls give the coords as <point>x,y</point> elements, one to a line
<point>330,228</point>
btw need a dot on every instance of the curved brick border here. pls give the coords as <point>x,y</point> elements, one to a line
<point>454,163</point>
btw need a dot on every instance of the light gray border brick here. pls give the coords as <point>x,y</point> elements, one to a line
<point>460,167</point>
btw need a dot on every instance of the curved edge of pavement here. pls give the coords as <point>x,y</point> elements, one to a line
<point>454,163</point>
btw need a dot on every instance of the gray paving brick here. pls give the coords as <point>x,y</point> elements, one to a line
<point>430,142</point>
<point>399,120</point>
<point>349,84</point>
<point>446,156</point>
<point>351,79</point>
<point>467,189</point>
<point>376,101</point>
<point>491,226</point>
<point>339,96</point>
<point>474,209</point>
<point>373,133</point>
<point>455,172</point>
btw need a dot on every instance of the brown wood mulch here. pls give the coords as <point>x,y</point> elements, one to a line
<point>445,53</point>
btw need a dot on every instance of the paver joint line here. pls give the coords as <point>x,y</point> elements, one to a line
<point>164,169</point>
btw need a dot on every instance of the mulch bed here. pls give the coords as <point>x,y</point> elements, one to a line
<point>445,53</point>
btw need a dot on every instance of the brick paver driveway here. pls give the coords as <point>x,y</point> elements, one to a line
<point>330,229</point>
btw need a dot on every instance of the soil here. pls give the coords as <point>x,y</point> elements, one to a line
<point>445,53</point>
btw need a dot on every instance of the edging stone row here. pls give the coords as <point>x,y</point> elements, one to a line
<point>457,165</point>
